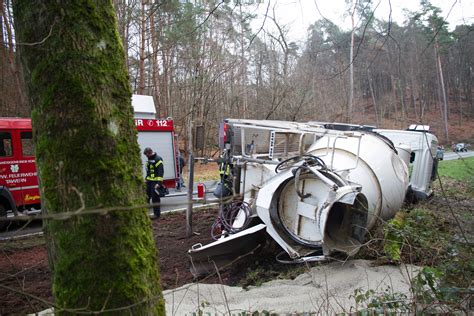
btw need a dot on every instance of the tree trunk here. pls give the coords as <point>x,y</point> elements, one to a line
<point>154,62</point>
<point>351,65</point>
<point>123,9</point>
<point>374,100</point>
<point>443,92</point>
<point>243,70</point>
<point>141,65</point>
<point>88,158</point>
<point>13,65</point>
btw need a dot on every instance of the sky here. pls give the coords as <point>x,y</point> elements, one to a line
<point>297,15</point>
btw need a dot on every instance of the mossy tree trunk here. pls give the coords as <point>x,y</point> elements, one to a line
<point>88,156</point>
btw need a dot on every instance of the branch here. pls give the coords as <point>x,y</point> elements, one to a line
<point>261,27</point>
<point>42,41</point>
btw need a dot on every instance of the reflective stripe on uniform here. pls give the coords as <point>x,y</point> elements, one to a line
<point>226,171</point>
<point>154,178</point>
<point>152,167</point>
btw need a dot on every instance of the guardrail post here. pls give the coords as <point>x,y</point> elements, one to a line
<point>189,210</point>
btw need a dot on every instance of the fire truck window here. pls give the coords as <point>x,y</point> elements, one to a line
<point>27,144</point>
<point>6,149</point>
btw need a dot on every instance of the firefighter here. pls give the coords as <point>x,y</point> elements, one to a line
<point>224,187</point>
<point>154,179</point>
<point>181,164</point>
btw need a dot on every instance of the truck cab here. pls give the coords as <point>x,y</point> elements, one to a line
<point>423,164</point>
<point>18,177</point>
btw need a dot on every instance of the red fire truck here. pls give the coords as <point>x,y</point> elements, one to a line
<point>18,176</point>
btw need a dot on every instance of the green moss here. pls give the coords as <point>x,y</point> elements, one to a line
<point>77,84</point>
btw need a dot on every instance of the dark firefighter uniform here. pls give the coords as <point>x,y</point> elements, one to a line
<point>154,178</point>
<point>224,187</point>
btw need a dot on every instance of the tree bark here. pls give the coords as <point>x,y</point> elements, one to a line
<point>351,65</point>
<point>154,62</point>
<point>141,65</point>
<point>374,100</point>
<point>88,158</point>
<point>243,70</point>
<point>444,111</point>
<point>12,63</point>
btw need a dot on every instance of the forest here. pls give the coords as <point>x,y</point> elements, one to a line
<point>203,61</point>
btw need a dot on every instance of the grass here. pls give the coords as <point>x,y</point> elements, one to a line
<point>203,172</point>
<point>429,235</point>
<point>457,177</point>
<point>22,243</point>
<point>460,169</point>
<point>430,239</point>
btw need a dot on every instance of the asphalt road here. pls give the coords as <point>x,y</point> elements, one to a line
<point>178,201</point>
<point>453,155</point>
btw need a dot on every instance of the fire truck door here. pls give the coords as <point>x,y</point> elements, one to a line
<point>9,164</point>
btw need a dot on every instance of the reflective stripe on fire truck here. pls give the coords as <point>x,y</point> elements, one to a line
<point>24,188</point>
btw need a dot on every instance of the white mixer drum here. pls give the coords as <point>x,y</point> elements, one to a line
<point>367,160</point>
<point>299,216</point>
<point>317,215</point>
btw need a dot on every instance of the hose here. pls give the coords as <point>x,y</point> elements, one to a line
<point>310,161</point>
<point>225,220</point>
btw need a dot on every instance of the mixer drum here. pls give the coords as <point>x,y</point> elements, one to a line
<point>320,218</point>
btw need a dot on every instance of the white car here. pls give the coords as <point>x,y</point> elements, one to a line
<point>461,147</point>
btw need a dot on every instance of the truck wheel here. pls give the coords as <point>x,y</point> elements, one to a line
<point>3,217</point>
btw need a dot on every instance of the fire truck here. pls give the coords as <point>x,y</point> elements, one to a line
<point>19,192</point>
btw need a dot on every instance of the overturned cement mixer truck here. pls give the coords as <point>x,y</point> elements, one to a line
<point>315,188</point>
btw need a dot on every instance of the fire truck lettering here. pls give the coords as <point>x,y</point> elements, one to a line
<point>21,175</point>
<point>31,197</point>
<point>8,162</point>
<point>21,180</point>
<point>139,122</point>
<point>12,162</point>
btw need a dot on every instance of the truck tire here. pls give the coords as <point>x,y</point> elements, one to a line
<point>3,217</point>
